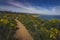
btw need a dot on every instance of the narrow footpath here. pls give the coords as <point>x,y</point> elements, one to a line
<point>22,33</point>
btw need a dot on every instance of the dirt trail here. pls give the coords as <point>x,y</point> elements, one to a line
<point>22,32</point>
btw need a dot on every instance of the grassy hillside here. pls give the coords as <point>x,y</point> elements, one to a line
<point>39,29</point>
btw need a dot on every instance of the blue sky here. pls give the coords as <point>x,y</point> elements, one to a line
<point>49,7</point>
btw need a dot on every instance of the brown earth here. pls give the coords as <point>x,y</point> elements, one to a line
<point>22,33</point>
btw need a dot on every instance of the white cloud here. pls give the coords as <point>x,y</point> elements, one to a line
<point>10,8</point>
<point>34,9</point>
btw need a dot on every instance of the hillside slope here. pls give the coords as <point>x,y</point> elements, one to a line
<point>38,28</point>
